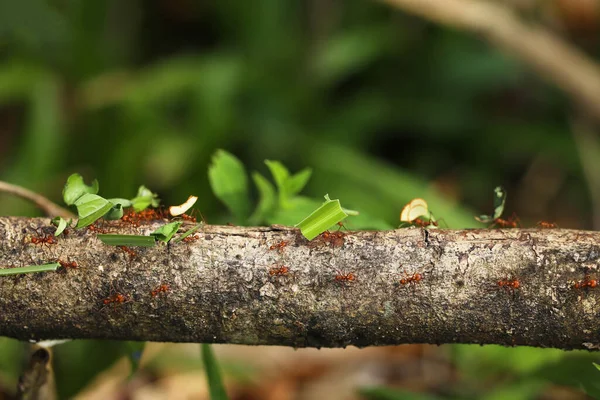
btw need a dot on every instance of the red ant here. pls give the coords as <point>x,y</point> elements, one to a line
<point>132,254</point>
<point>511,284</point>
<point>279,271</point>
<point>66,265</point>
<point>43,239</point>
<point>414,278</point>
<point>334,239</point>
<point>116,298</point>
<point>424,223</point>
<point>95,228</point>
<point>164,288</point>
<point>586,282</point>
<point>279,246</point>
<point>191,238</point>
<point>340,277</point>
<point>546,225</point>
<point>511,222</point>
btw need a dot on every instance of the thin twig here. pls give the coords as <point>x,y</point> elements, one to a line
<point>566,66</point>
<point>51,209</point>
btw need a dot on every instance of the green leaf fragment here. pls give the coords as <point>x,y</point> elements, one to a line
<point>213,375</point>
<point>229,182</point>
<point>166,232</point>
<point>60,223</point>
<point>328,214</point>
<point>29,269</point>
<point>76,187</point>
<point>127,240</point>
<point>91,207</point>
<point>597,366</point>
<point>188,233</point>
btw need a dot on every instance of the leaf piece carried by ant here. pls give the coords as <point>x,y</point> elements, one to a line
<point>328,214</point>
<point>166,232</point>
<point>187,233</point>
<point>499,201</point>
<point>127,240</point>
<point>181,209</point>
<point>29,269</point>
<point>144,199</point>
<point>91,207</point>
<point>60,223</point>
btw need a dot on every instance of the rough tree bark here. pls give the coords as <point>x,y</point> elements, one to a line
<point>221,289</point>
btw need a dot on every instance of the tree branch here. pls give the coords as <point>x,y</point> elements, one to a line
<point>221,289</point>
<point>555,59</point>
<point>51,209</point>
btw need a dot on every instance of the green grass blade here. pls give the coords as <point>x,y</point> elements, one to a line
<point>127,240</point>
<point>188,232</point>
<point>29,269</point>
<point>215,382</point>
<point>330,213</point>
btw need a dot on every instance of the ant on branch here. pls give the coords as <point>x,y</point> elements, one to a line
<point>279,246</point>
<point>191,238</point>
<point>345,278</point>
<point>511,222</point>
<point>67,265</point>
<point>96,228</point>
<point>414,278</point>
<point>509,284</point>
<point>43,239</point>
<point>586,283</point>
<point>164,288</point>
<point>116,298</point>
<point>546,225</point>
<point>128,250</point>
<point>279,271</point>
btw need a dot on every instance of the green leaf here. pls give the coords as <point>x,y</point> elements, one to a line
<point>229,183</point>
<point>76,187</point>
<point>29,269</point>
<point>144,199</point>
<point>166,232</point>
<point>188,232</point>
<point>127,240</point>
<point>597,366</point>
<point>297,182</point>
<point>91,207</point>
<point>115,212</point>
<point>267,200</point>
<point>60,223</point>
<point>330,213</point>
<point>213,375</point>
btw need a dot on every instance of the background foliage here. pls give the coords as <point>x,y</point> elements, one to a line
<point>382,106</point>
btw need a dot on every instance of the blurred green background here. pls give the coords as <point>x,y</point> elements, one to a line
<point>383,106</point>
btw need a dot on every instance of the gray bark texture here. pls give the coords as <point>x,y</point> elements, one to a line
<point>229,286</point>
